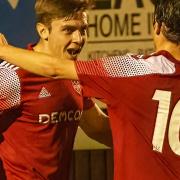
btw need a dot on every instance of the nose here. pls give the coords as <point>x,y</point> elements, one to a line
<point>77,37</point>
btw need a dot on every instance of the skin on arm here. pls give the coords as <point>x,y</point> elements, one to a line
<point>96,125</point>
<point>36,62</point>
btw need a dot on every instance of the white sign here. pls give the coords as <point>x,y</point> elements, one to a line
<point>124,27</point>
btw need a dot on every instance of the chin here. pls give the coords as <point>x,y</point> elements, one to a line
<point>73,58</point>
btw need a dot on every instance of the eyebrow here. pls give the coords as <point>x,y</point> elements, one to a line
<point>84,26</point>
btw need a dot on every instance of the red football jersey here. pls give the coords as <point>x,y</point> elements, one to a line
<point>38,122</point>
<point>143,98</point>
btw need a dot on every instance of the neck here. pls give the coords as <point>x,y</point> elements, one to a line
<point>172,48</point>
<point>164,44</point>
<point>42,47</point>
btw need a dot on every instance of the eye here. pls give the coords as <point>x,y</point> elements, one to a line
<point>84,31</point>
<point>68,30</point>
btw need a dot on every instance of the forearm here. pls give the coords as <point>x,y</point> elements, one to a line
<point>28,60</point>
<point>38,63</point>
<point>96,125</point>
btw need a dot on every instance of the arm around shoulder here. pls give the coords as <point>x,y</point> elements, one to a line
<point>39,63</point>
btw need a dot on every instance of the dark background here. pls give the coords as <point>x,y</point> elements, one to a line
<point>18,25</point>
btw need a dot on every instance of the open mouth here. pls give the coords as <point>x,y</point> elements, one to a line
<point>73,52</point>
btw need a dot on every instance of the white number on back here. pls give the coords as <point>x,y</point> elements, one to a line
<point>164,98</point>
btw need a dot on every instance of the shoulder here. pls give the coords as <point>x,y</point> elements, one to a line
<point>8,71</point>
<point>5,64</point>
<point>110,66</point>
<point>9,79</point>
<point>137,65</point>
<point>9,87</point>
<point>128,65</point>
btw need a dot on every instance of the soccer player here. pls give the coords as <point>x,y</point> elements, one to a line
<point>39,116</point>
<point>142,94</point>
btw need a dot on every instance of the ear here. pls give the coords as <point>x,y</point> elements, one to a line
<point>157,28</point>
<point>43,31</point>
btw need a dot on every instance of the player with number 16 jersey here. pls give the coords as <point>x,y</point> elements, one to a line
<point>143,98</point>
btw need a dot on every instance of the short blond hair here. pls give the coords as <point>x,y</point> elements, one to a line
<point>47,10</point>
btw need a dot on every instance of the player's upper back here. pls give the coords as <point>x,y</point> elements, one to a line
<point>143,97</point>
<point>146,99</point>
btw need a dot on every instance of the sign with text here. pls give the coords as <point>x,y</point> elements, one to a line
<point>119,27</point>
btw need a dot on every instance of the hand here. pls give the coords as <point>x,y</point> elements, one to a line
<point>3,40</point>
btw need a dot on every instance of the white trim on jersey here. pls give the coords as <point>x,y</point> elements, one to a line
<point>128,66</point>
<point>8,65</point>
<point>10,87</point>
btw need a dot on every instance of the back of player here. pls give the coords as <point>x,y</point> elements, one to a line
<point>143,95</point>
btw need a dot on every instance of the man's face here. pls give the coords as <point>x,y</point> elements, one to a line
<point>67,36</point>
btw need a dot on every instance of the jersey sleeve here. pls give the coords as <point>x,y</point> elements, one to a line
<point>9,89</point>
<point>104,77</point>
<point>95,79</point>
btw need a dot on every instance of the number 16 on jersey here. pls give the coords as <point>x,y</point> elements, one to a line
<point>164,98</point>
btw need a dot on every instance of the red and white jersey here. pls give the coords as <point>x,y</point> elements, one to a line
<point>143,98</point>
<point>38,122</point>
